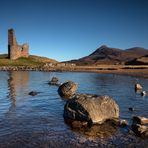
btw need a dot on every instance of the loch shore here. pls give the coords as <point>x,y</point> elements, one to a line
<point>136,70</point>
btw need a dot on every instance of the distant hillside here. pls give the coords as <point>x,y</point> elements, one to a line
<point>139,61</point>
<point>107,55</point>
<point>32,60</point>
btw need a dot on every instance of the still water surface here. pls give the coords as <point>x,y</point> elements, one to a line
<point>27,121</point>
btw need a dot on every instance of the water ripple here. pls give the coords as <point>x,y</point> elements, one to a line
<point>27,121</point>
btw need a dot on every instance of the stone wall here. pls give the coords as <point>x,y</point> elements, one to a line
<point>16,51</point>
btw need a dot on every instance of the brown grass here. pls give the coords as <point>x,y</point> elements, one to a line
<point>136,70</point>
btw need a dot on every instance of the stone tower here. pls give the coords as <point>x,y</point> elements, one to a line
<point>16,51</point>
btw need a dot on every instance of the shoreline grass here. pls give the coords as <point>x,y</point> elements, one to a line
<point>32,60</point>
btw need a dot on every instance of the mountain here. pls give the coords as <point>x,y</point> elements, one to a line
<point>107,55</point>
<point>139,61</point>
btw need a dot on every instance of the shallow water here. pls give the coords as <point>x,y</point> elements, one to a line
<point>27,121</point>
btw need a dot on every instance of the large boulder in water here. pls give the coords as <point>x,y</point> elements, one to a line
<point>91,108</point>
<point>67,89</point>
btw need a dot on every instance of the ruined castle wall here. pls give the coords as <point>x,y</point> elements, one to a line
<point>25,50</point>
<point>11,37</point>
<point>16,51</point>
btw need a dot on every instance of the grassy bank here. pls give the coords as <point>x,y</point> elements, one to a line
<point>30,61</point>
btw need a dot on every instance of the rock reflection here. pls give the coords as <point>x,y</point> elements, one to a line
<point>103,131</point>
<point>138,91</point>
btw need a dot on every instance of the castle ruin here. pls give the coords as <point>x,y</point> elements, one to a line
<point>16,51</point>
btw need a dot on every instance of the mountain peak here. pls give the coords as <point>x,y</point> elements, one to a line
<point>103,46</point>
<point>109,55</point>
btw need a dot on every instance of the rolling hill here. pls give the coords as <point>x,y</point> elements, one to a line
<point>32,60</point>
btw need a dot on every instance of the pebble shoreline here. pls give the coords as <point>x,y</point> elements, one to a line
<point>24,68</point>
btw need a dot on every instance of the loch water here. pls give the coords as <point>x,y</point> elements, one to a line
<point>37,121</point>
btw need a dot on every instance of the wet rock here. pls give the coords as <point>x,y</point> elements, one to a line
<point>140,126</point>
<point>131,109</point>
<point>114,121</point>
<point>91,108</point>
<point>143,93</point>
<point>123,123</point>
<point>54,81</point>
<point>140,120</point>
<point>78,124</point>
<point>33,93</point>
<point>140,130</point>
<point>67,89</point>
<point>118,122</point>
<point>138,87</point>
<point>82,140</point>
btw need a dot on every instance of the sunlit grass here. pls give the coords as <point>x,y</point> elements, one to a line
<point>30,61</point>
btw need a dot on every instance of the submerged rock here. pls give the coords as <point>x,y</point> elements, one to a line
<point>131,109</point>
<point>91,108</point>
<point>54,81</point>
<point>67,89</point>
<point>33,93</point>
<point>103,131</point>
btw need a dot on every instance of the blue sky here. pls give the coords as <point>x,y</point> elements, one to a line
<point>70,29</point>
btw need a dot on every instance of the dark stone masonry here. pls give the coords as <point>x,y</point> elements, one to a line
<point>16,51</point>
